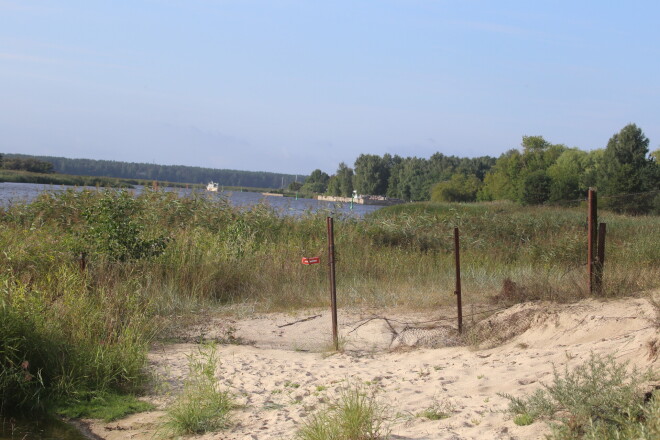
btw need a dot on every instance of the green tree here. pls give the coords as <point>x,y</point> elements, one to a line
<point>345,180</point>
<point>502,181</point>
<point>460,188</point>
<point>508,179</point>
<point>29,164</point>
<point>412,179</point>
<point>568,175</point>
<point>655,156</point>
<point>333,186</point>
<point>625,169</point>
<point>317,182</point>
<point>371,174</point>
<point>294,186</point>
<point>536,188</point>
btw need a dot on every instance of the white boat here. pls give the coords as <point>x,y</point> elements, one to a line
<point>212,186</point>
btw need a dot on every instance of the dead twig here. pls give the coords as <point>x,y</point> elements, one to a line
<point>299,321</point>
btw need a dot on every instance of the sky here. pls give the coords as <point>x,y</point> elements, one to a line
<point>294,85</point>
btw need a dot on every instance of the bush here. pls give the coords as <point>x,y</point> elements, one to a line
<point>65,344</point>
<point>598,400</point>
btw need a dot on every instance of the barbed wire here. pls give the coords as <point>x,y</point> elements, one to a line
<point>618,196</point>
<point>416,323</point>
<point>600,197</point>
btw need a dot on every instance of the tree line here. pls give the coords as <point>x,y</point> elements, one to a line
<point>539,172</point>
<point>166,173</point>
<point>28,164</point>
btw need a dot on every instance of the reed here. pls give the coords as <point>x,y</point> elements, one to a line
<point>156,258</point>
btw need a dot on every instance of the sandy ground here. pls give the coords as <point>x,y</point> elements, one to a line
<point>282,373</point>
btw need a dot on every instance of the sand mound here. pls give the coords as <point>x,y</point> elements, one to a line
<point>287,372</point>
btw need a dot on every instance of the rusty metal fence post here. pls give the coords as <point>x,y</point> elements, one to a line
<point>592,221</point>
<point>600,259</point>
<point>333,287</point>
<point>83,262</point>
<point>457,292</point>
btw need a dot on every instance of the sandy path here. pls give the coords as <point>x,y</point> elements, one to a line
<point>288,374</point>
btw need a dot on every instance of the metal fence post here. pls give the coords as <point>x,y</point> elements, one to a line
<point>457,292</point>
<point>600,259</point>
<point>333,287</point>
<point>592,221</point>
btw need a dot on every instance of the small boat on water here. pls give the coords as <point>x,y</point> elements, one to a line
<point>212,186</point>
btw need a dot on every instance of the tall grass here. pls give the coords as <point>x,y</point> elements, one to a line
<point>202,406</point>
<point>356,415</point>
<point>158,256</point>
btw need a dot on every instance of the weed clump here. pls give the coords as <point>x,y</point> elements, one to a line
<point>104,406</point>
<point>201,407</point>
<point>356,416</point>
<point>438,410</point>
<point>597,400</point>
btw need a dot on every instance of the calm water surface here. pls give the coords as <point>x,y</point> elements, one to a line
<point>24,192</point>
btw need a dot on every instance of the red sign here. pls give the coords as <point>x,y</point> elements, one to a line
<point>314,260</point>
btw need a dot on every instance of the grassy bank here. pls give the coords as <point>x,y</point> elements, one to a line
<point>68,334</point>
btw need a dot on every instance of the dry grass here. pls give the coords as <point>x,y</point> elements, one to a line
<point>173,257</point>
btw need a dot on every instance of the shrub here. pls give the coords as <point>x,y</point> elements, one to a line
<point>598,399</point>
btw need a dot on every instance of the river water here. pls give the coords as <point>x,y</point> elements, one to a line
<point>11,193</point>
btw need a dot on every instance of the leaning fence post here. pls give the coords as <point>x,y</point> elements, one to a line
<point>331,274</point>
<point>457,292</point>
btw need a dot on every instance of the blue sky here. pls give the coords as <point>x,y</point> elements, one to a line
<point>292,85</point>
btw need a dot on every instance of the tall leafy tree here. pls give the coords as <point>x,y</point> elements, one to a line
<point>317,182</point>
<point>536,188</point>
<point>627,168</point>
<point>502,181</point>
<point>345,176</point>
<point>568,175</point>
<point>460,188</point>
<point>372,173</point>
<point>522,176</point>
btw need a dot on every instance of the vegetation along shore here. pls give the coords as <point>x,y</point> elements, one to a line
<point>156,260</point>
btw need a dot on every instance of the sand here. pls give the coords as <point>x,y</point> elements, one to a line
<point>280,374</point>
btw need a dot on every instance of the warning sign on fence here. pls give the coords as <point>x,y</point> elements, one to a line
<point>313,260</point>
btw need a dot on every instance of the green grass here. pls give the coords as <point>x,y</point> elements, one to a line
<point>202,406</point>
<point>357,415</point>
<point>155,260</point>
<point>107,407</point>
<point>599,399</point>
<point>438,410</point>
<point>523,419</point>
